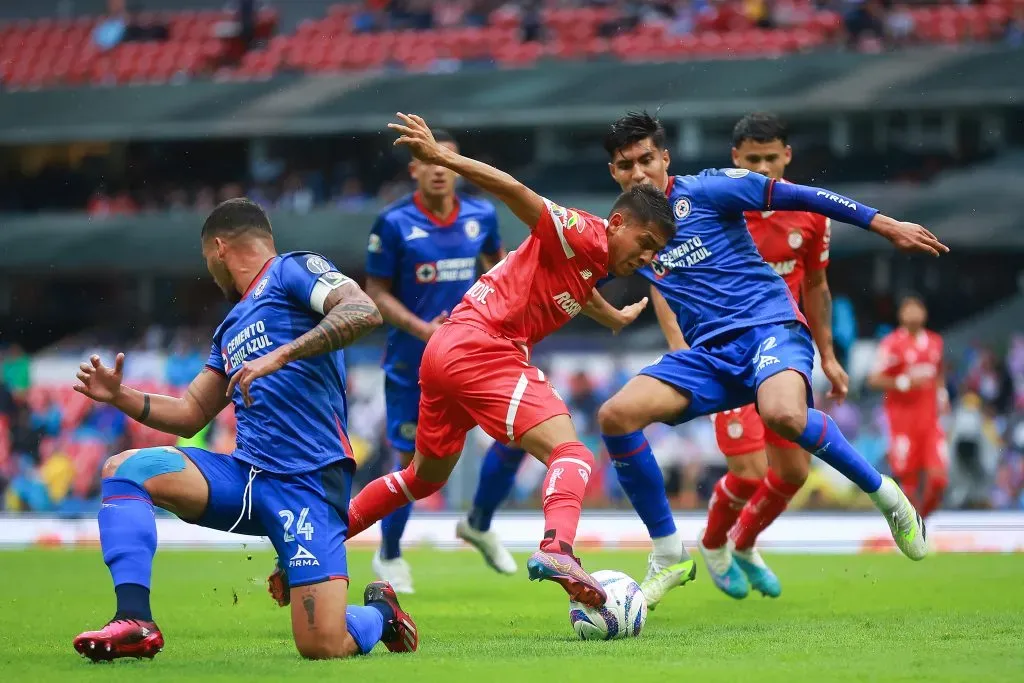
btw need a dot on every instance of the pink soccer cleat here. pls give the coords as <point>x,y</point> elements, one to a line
<point>121,638</point>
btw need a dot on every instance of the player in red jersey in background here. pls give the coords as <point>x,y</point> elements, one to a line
<point>753,494</point>
<point>909,369</point>
<point>476,368</point>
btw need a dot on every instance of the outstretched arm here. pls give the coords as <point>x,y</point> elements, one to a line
<point>181,416</point>
<point>349,314</point>
<point>597,308</point>
<point>527,205</point>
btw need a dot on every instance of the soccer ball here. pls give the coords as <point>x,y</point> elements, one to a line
<point>622,616</point>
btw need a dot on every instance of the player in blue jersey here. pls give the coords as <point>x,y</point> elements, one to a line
<point>277,356</point>
<point>748,343</point>
<point>421,259</point>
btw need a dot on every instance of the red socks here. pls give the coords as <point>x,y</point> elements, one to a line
<point>569,468</point>
<point>730,495</point>
<point>934,488</point>
<point>771,498</point>
<point>384,495</point>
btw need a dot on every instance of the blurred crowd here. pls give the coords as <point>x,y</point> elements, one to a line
<point>53,441</point>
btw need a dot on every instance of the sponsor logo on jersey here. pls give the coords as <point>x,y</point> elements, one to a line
<point>472,229</point>
<point>681,208</point>
<point>317,265</point>
<point>784,267</point>
<point>762,360</point>
<point>575,222</point>
<point>837,199</point>
<point>691,252</point>
<point>586,274</point>
<point>446,270</point>
<point>303,558</point>
<point>374,246</point>
<point>260,287</point>
<point>416,233</point>
<point>568,304</point>
<point>248,340</point>
<point>795,239</point>
<point>736,172</point>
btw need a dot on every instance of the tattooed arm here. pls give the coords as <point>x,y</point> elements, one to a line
<point>181,416</point>
<point>349,314</point>
<point>818,308</point>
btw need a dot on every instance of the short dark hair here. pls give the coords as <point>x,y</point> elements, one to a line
<point>441,135</point>
<point>910,296</point>
<point>759,127</point>
<point>234,217</point>
<point>632,128</point>
<point>650,206</point>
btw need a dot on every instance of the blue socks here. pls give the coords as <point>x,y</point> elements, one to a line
<point>128,540</point>
<point>366,624</point>
<point>823,439</point>
<point>642,481</point>
<point>393,526</point>
<point>497,476</point>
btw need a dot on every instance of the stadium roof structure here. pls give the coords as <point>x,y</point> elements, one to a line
<point>553,94</point>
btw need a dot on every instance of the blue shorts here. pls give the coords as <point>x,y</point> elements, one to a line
<point>304,515</point>
<point>726,373</point>
<point>403,409</point>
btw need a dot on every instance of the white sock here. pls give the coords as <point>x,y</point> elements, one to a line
<point>887,496</point>
<point>668,549</point>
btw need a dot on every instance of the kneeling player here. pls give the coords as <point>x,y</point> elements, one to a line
<point>476,368</point>
<point>291,474</point>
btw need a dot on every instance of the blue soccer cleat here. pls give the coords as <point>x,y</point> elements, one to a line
<point>724,570</point>
<point>565,570</point>
<point>761,577</point>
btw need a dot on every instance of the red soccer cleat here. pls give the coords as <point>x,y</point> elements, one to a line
<point>400,635</point>
<point>121,638</point>
<point>277,586</point>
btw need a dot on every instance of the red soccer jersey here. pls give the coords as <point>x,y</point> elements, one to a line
<point>792,242</point>
<point>920,359</point>
<point>544,283</point>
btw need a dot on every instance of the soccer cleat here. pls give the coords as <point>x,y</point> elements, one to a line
<point>400,634</point>
<point>907,527</point>
<point>277,586</point>
<point>121,638</point>
<point>723,569</point>
<point>565,570</point>
<point>495,554</point>
<point>662,578</point>
<point>395,572</point>
<point>761,577</point>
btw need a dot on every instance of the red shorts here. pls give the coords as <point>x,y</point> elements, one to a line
<point>469,377</point>
<point>917,447</point>
<point>741,431</point>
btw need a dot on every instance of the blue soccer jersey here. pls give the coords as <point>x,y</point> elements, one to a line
<point>297,420</point>
<point>711,273</point>
<point>431,264</point>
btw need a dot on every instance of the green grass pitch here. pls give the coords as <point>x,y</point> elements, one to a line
<point>841,618</point>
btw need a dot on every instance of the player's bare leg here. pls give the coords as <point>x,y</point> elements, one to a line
<point>133,483</point>
<point>782,402</point>
<point>394,570</point>
<point>641,402</point>
<point>728,500</point>
<point>570,463</point>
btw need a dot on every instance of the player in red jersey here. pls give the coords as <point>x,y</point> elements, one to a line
<point>476,368</point>
<point>796,244</point>
<point>909,369</point>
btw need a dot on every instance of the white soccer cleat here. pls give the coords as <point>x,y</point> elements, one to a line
<point>396,572</point>
<point>724,570</point>
<point>905,523</point>
<point>489,544</point>
<point>663,577</point>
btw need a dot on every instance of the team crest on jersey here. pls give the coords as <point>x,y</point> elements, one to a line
<point>658,269</point>
<point>736,172</point>
<point>472,229</point>
<point>426,272</point>
<point>735,429</point>
<point>681,209</point>
<point>374,246</point>
<point>795,240</point>
<point>408,430</point>
<point>317,265</point>
<point>260,287</point>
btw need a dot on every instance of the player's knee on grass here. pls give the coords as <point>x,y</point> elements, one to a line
<point>793,465</point>
<point>318,621</point>
<point>748,466</point>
